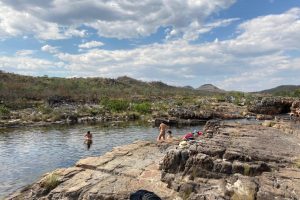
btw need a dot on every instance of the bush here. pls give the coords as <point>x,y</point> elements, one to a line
<point>45,109</point>
<point>143,108</point>
<point>116,105</point>
<point>50,182</point>
<point>4,111</point>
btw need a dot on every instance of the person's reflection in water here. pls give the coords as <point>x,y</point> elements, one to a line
<point>88,144</point>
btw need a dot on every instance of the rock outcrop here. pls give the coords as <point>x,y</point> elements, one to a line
<point>237,162</point>
<point>271,105</point>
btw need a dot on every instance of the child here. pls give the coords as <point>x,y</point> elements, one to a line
<point>169,134</point>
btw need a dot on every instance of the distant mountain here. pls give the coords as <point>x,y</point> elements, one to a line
<point>210,88</point>
<point>282,89</point>
<point>188,87</point>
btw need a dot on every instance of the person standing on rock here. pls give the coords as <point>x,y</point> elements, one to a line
<point>162,131</point>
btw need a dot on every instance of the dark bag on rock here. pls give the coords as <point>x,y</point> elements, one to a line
<point>144,195</point>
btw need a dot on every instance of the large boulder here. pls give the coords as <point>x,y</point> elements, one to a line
<point>271,105</point>
<point>295,106</point>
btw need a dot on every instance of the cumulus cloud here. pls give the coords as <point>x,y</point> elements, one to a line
<point>21,64</point>
<point>50,49</point>
<point>112,18</point>
<point>256,58</point>
<point>19,23</point>
<point>91,44</point>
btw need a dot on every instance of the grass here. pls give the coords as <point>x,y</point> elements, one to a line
<point>50,182</point>
<point>143,108</point>
<point>246,169</point>
<point>4,111</point>
<point>186,194</point>
<point>297,163</point>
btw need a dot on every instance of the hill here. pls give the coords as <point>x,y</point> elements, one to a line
<point>284,90</point>
<point>281,88</point>
<point>18,89</point>
<point>210,88</point>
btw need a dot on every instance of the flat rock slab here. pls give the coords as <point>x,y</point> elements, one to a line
<point>114,175</point>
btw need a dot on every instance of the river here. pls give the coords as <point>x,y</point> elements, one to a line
<point>27,153</point>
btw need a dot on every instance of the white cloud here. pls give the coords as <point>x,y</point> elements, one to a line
<point>25,52</point>
<point>21,63</point>
<point>50,49</point>
<point>91,44</point>
<point>255,59</point>
<point>58,19</point>
<point>20,23</point>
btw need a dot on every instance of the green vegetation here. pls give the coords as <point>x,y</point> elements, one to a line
<point>50,182</point>
<point>19,91</point>
<point>297,163</point>
<point>246,169</point>
<point>4,111</point>
<point>143,108</point>
<point>116,105</point>
<point>288,93</point>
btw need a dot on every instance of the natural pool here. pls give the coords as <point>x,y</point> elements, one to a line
<point>27,153</point>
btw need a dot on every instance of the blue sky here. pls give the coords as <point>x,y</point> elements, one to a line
<point>233,44</point>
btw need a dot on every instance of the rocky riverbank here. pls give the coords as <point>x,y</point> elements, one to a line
<point>174,113</point>
<point>231,161</point>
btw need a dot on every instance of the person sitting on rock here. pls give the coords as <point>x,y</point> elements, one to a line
<point>169,134</point>
<point>192,135</point>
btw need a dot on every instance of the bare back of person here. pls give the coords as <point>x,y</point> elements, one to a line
<point>162,131</point>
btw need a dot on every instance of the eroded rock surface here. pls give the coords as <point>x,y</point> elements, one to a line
<point>271,105</point>
<point>238,162</point>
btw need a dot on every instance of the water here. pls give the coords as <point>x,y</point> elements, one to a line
<point>27,153</point>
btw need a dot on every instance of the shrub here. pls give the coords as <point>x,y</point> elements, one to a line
<point>45,109</point>
<point>4,111</point>
<point>50,182</point>
<point>297,163</point>
<point>143,108</point>
<point>116,105</point>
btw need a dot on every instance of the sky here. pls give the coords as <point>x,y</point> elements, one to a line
<point>234,44</point>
